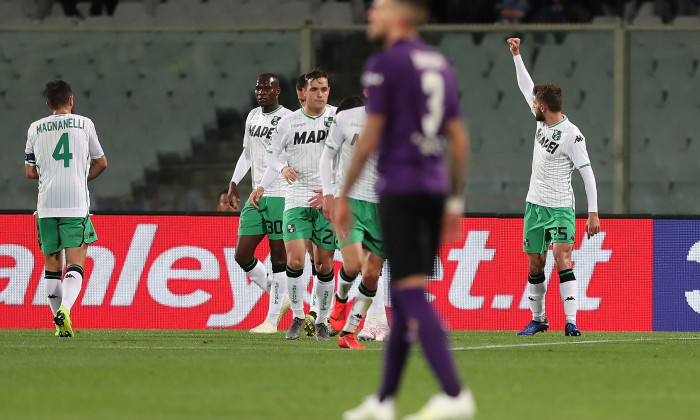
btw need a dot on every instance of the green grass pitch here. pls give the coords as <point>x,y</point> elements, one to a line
<point>225,374</point>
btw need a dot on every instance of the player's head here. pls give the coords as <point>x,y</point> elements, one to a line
<point>316,90</point>
<point>301,82</point>
<point>387,15</point>
<point>548,98</point>
<point>58,95</point>
<point>223,204</point>
<point>267,90</point>
<point>349,102</point>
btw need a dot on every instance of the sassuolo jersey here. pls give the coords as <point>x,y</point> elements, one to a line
<point>302,138</point>
<point>259,127</point>
<point>343,136</point>
<point>558,150</point>
<point>62,146</point>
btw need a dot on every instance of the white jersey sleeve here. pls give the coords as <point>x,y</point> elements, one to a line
<point>575,148</point>
<point>95,148</point>
<point>525,82</point>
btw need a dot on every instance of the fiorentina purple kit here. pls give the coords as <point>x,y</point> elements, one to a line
<point>415,88</point>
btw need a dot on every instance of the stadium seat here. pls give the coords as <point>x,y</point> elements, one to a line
<point>333,13</point>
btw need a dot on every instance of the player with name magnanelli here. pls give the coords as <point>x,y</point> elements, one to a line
<point>266,218</point>
<point>63,153</point>
<point>302,136</point>
<point>361,246</point>
<point>549,213</point>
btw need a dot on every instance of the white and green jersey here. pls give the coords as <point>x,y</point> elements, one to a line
<point>558,150</point>
<point>343,136</point>
<point>259,127</point>
<point>302,138</point>
<point>62,146</point>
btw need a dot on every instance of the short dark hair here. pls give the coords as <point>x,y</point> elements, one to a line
<point>268,75</point>
<point>222,193</point>
<point>550,95</point>
<point>421,8</point>
<point>57,93</point>
<point>301,82</point>
<point>315,73</point>
<point>349,102</point>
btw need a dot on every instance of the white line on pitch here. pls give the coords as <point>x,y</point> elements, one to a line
<point>559,343</point>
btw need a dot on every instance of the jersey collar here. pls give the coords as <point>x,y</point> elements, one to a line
<point>270,113</point>
<point>316,117</point>
<point>552,126</point>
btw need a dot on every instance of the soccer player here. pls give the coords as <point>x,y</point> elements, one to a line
<point>302,135</point>
<point>266,217</point>
<point>549,212</point>
<point>63,153</point>
<point>413,118</point>
<point>362,248</point>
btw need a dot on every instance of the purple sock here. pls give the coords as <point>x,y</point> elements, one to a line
<point>417,310</point>
<point>396,350</point>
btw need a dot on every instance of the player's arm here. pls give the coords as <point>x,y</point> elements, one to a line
<point>242,168</point>
<point>458,138</point>
<point>525,82</point>
<point>99,161</point>
<point>31,172</point>
<point>325,171</point>
<point>576,150</point>
<point>29,157</point>
<point>593,222</point>
<point>97,166</point>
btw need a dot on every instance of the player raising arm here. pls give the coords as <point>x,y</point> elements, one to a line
<point>63,153</point>
<point>559,148</point>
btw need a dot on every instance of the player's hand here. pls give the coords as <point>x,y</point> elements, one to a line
<point>450,227</point>
<point>290,174</point>
<point>255,196</point>
<point>514,44</point>
<point>317,200</point>
<point>592,224</point>
<point>341,217</point>
<point>233,196</point>
<point>329,207</point>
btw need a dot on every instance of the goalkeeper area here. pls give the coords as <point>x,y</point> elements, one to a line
<point>232,374</point>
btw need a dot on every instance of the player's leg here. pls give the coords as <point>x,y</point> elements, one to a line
<point>352,264</point>
<point>298,228</point>
<point>278,302</point>
<point>376,327</point>
<point>563,238</point>
<point>535,244</point>
<point>324,238</point>
<point>48,237</point>
<point>313,306</point>
<point>251,231</point>
<point>371,269</point>
<point>75,234</point>
<point>413,261</point>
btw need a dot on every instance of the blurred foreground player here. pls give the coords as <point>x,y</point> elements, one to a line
<point>265,219</point>
<point>63,153</point>
<point>412,108</point>
<point>549,212</point>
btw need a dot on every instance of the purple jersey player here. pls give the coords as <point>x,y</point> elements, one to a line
<point>413,119</point>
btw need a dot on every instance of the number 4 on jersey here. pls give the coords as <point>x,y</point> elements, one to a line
<point>62,151</point>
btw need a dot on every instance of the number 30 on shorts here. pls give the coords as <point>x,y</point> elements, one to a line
<point>273,227</point>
